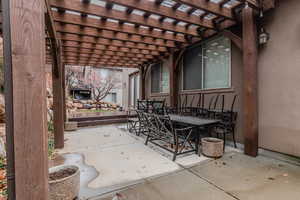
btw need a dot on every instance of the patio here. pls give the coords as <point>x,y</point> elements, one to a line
<point>235,176</point>
<point>143,35</point>
<point>113,160</point>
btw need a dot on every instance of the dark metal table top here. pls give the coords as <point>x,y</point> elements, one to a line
<point>195,121</point>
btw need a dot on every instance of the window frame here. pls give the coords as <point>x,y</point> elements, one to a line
<point>160,93</point>
<point>202,68</point>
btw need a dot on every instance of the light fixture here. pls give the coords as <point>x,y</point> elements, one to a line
<point>263,36</point>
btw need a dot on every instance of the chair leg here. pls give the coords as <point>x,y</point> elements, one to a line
<point>175,152</point>
<point>233,137</point>
<point>147,139</point>
<point>139,131</point>
<point>224,141</point>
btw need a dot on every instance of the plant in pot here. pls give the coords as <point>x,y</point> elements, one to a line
<point>64,182</point>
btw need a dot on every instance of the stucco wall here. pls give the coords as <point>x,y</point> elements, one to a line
<point>279,81</point>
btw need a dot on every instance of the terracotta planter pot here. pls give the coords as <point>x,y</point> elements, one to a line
<point>67,187</point>
<point>212,147</point>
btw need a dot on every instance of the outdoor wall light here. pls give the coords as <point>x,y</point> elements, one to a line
<point>263,37</point>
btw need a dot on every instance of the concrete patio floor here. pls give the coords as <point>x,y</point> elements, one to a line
<point>235,176</point>
<point>113,160</point>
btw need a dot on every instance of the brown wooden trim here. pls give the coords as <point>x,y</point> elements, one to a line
<point>174,81</point>
<point>208,91</point>
<point>142,82</point>
<point>24,63</point>
<point>111,26</point>
<point>234,38</point>
<point>153,7</point>
<point>58,103</point>
<point>64,91</point>
<point>111,35</point>
<point>92,9</point>
<point>159,94</point>
<point>118,48</point>
<point>103,41</point>
<point>209,7</point>
<point>250,104</point>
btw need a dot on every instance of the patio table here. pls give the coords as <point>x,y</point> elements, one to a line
<point>196,122</point>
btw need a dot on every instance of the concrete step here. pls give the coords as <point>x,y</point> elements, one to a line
<point>101,122</point>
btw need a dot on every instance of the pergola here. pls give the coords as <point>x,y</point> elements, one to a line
<point>115,33</point>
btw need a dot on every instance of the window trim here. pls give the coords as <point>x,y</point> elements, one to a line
<point>202,68</point>
<point>160,79</point>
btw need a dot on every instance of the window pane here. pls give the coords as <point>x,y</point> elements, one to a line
<point>192,69</point>
<point>155,78</point>
<point>165,79</point>
<point>216,63</point>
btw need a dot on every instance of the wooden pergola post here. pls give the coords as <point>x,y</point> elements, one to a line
<point>58,100</point>
<point>173,84</point>
<point>64,91</point>
<point>25,93</point>
<point>142,82</point>
<point>250,122</point>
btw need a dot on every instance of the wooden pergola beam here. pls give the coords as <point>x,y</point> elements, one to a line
<point>93,32</point>
<point>234,38</point>
<point>76,60</point>
<point>75,55</point>
<point>158,9</point>
<point>109,48</point>
<point>92,9</point>
<point>25,99</point>
<point>101,52</point>
<point>112,26</point>
<point>102,41</point>
<point>102,64</point>
<point>209,7</point>
<point>101,60</point>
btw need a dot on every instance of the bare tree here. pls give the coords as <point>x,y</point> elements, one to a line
<point>102,88</point>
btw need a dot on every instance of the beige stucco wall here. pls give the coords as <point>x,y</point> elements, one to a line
<point>279,81</point>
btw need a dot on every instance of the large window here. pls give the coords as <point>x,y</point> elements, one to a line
<point>159,78</point>
<point>208,66</point>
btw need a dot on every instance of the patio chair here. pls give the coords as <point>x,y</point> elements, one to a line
<point>132,121</point>
<point>158,107</point>
<point>142,123</point>
<point>143,105</point>
<point>228,123</point>
<point>189,109</point>
<point>205,111</point>
<point>216,113</point>
<point>178,140</point>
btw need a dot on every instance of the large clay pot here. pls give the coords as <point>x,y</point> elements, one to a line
<point>67,187</point>
<point>212,147</point>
